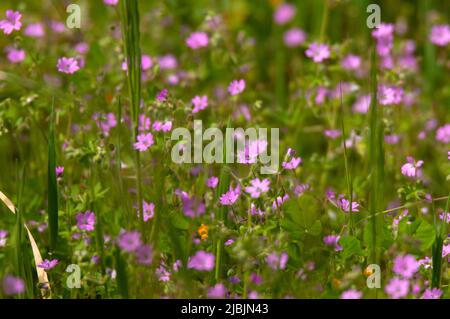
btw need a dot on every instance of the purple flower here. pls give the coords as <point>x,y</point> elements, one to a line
<point>86,221</point>
<point>144,255</point>
<point>15,55</point>
<point>48,264</point>
<point>192,207</point>
<point>212,182</point>
<point>318,52</point>
<point>144,123</point>
<point>258,187</point>
<point>105,122</point>
<point>251,150</point>
<point>202,261</point>
<point>255,278</point>
<point>397,288</point>
<point>284,13</point>
<point>412,168</point>
<point>279,201</point>
<point>146,62</point>
<point>333,240</point>
<point>200,103</point>
<point>197,40</point>
<point>34,30</point>
<point>300,189</point>
<point>440,35</point>
<point>144,141</point>
<point>433,293</point>
<point>12,22</point>
<point>13,285</point>
<point>59,170</point>
<point>218,291</point>
<point>129,241</point>
<point>294,37</point>
<point>67,65</point>
<point>351,62</point>
<point>236,87</point>
<point>344,204</point>
<point>162,273</point>
<point>160,126</point>
<point>230,197</point>
<point>351,294</point>
<point>405,266</point>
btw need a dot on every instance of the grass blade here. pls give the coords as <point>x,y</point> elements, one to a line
<point>52,184</point>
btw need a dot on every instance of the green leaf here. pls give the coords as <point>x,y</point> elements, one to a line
<point>351,246</point>
<point>425,234</point>
<point>302,215</point>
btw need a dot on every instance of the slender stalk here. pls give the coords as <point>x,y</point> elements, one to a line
<point>131,39</point>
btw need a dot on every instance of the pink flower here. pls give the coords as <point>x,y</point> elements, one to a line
<point>212,182</point>
<point>440,35</point>
<point>13,285</point>
<point>48,264</point>
<point>129,241</point>
<point>388,95</point>
<point>230,197</point>
<point>432,293</point>
<point>384,35</point>
<point>443,134</point>
<point>333,134</point>
<point>67,65</point>
<point>279,201</point>
<point>284,13</point>
<point>34,30</point>
<point>318,52</point>
<point>192,207</point>
<point>159,126</point>
<point>333,240</point>
<point>12,22</point>
<point>294,37</point>
<point>258,187</point>
<point>144,141</point>
<point>148,210</point>
<point>351,294</point>
<point>251,151</point>
<point>218,291</point>
<point>351,62</point>
<point>105,122</point>
<point>412,168</point>
<point>276,261</point>
<point>292,163</point>
<point>162,95</point>
<point>3,237</point>
<point>59,170</point>
<point>111,2</point>
<point>405,266</point>
<point>15,55</point>
<point>82,47</point>
<point>397,288</point>
<point>167,62</point>
<point>86,220</point>
<point>344,204</point>
<point>362,104</point>
<point>144,123</point>
<point>200,103</point>
<point>236,87</point>
<point>202,261</point>
<point>197,40</point>
<point>57,27</point>
<point>146,62</point>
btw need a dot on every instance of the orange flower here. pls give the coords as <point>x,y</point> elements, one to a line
<point>203,231</point>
